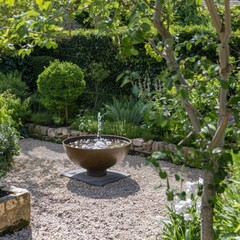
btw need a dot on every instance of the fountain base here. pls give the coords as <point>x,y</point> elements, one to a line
<point>100,178</point>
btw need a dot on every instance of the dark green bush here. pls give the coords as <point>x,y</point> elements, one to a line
<point>60,86</point>
<point>16,108</point>
<point>9,145</point>
<point>89,123</point>
<point>235,21</point>
<point>13,82</point>
<point>126,109</point>
<point>86,49</point>
<point>37,65</point>
<point>42,118</point>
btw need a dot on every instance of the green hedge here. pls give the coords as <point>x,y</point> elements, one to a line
<point>87,48</point>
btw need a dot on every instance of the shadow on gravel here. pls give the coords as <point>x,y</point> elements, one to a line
<point>23,234</point>
<point>122,188</point>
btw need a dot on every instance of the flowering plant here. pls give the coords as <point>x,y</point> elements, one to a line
<point>184,214</point>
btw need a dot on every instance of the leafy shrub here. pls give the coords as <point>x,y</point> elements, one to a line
<point>13,82</point>
<point>89,124</point>
<point>9,145</point>
<point>129,130</point>
<point>60,86</point>
<point>183,221</point>
<point>227,210</point>
<point>94,75</point>
<point>16,108</point>
<point>86,123</point>
<point>42,118</point>
<point>126,109</point>
<point>235,22</point>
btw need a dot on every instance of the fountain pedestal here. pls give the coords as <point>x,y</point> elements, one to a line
<point>82,175</point>
<point>96,161</point>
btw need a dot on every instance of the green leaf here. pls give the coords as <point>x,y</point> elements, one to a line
<point>170,195</point>
<point>188,45</point>
<point>135,90</point>
<point>234,100</point>
<point>138,36</point>
<point>120,76</point>
<point>224,83</point>
<point>22,31</point>
<point>134,51</point>
<point>184,93</point>
<point>145,26</point>
<point>159,155</point>
<point>116,4</point>
<point>10,2</point>
<point>39,2</point>
<point>177,177</point>
<point>126,41</point>
<point>155,163</point>
<point>162,174</point>
<point>32,13</point>
<point>125,81</point>
<point>164,123</point>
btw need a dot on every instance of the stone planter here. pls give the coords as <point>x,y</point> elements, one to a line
<point>14,209</point>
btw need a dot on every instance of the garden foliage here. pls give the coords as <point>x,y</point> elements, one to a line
<point>60,86</point>
<point>9,145</point>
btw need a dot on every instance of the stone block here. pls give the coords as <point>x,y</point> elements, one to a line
<point>74,133</point>
<point>83,133</point>
<point>58,131</point>
<point>31,129</point>
<point>14,210</point>
<point>155,146</point>
<point>65,131</point>
<point>149,145</point>
<point>51,132</point>
<point>162,146</point>
<point>44,131</point>
<point>172,148</point>
<point>137,142</point>
<point>37,130</point>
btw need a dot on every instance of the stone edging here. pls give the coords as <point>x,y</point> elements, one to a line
<point>138,144</point>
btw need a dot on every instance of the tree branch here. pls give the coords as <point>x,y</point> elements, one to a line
<point>214,16</point>
<point>220,131</point>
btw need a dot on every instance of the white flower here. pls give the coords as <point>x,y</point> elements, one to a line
<point>198,207</point>
<point>188,217</point>
<point>200,181</point>
<point>180,207</point>
<point>183,206</point>
<point>176,199</point>
<point>191,188</point>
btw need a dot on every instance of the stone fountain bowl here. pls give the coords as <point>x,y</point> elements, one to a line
<point>96,161</point>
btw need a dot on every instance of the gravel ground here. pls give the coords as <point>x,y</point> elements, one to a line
<point>63,209</point>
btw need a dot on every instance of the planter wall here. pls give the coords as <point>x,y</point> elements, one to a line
<point>138,144</point>
<point>14,210</point>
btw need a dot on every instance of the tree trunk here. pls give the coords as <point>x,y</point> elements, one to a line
<point>66,115</point>
<point>223,31</point>
<point>207,232</point>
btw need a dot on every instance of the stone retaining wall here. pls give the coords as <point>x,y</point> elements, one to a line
<point>14,210</point>
<point>138,144</point>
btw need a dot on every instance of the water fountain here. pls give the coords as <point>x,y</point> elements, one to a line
<point>95,154</point>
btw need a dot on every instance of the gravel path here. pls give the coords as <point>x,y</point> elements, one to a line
<point>63,209</point>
